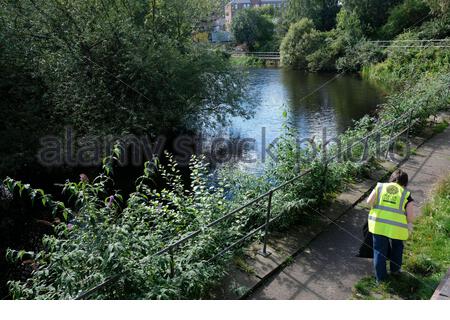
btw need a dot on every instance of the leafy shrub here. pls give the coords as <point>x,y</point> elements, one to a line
<point>359,56</point>
<point>422,265</point>
<point>247,61</point>
<point>253,28</point>
<point>405,66</point>
<point>108,67</point>
<point>405,15</point>
<point>107,235</point>
<point>301,40</point>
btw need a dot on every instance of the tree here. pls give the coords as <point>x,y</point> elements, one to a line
<point>440,7</point>
<point>110,67</point>
<point>353,51</point>
<point>252,28</point>
<point>405,15</point>
<point>301,40</point>
<point>321,12</point>
<point>349,26</point>
<point>372,13</point>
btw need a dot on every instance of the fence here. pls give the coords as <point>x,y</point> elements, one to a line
<point>417,43</point>
<point>260,55</point>
<point>406,119</point>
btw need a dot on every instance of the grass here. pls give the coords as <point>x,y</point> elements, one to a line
<point>243,265</point>
<point>426,257</point>
<point>440,127</point>
<point>247,61</point>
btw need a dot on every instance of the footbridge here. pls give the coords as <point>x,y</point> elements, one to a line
<point>260,55</point>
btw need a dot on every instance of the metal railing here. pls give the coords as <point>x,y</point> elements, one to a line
<point>413,43</point>
<point>261,55</point>
<point>170,249</point>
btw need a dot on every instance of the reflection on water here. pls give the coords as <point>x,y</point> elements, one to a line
<point>335,103</point>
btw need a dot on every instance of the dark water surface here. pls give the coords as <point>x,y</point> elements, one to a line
<point>311,101</point>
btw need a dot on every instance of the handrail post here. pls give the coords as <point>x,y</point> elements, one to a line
<point>264,252</point>
<point>389,142</point>
<point>409,124</point>
<point>172,263</point>
<point>324,181</point>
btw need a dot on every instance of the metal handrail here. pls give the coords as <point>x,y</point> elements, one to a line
<point>257,54</point>
<point>413,43</point>
<point>269,220</point>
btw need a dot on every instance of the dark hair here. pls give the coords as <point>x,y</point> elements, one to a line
<point>400,177</point>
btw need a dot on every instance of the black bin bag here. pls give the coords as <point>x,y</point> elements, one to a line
<point>366,249</point>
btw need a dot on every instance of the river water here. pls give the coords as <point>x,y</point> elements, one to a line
<point>311,102</point>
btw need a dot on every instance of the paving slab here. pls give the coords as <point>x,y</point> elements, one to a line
<point>443,290</point>
<point>234,284</point>
<point>328,269</point>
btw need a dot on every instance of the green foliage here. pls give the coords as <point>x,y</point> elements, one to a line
<point>349,25</point>
<point>343,48</point>
<point>324,57</point>
<point>301,41</point>
<point>372,13</point>
<point>422,265</point>
<point>405,66</point>
<point>354,50</point>
<point>57,208</point>
<point>440,127</point>
<point>403,16</point>
<point>247,61</point>
<point>108,67</point>
<point>439,7</point>
<point>321,12</point>
<point>117,237</point>
<point>253,28</point>
<point>360,55</point>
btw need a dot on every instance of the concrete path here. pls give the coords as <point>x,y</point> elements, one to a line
<point>328,268</point>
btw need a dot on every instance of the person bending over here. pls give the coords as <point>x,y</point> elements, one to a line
<point>390,221</point>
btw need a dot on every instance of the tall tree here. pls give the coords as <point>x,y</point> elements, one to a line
<point>440,7</point>
<point>321,12</point>
<point>108,67</point>
<point>407,14</point>
<point>372,13</point>
<point>252,27</point>
<point>301,41</point>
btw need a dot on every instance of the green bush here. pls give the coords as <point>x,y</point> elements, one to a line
<point>247,61</point>
<point>405,15</point>
<point>422,265</point>
<point>107,67</point>
<point>105,235</point>
<point>406,66</point>
<point>301,41</point>
<point>359,56</point>
<point>253,28</point>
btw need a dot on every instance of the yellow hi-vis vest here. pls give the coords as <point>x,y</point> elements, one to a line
<point>388,215</point>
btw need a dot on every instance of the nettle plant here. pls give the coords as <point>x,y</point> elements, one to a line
<point>105,235</point>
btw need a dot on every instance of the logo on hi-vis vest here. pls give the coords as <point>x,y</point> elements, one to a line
<point>391,195</point>
<point>392,190</point>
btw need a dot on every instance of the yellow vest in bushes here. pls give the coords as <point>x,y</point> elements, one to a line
<point>388,216</point>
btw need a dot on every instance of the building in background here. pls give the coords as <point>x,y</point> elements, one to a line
<point>235,5</point>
